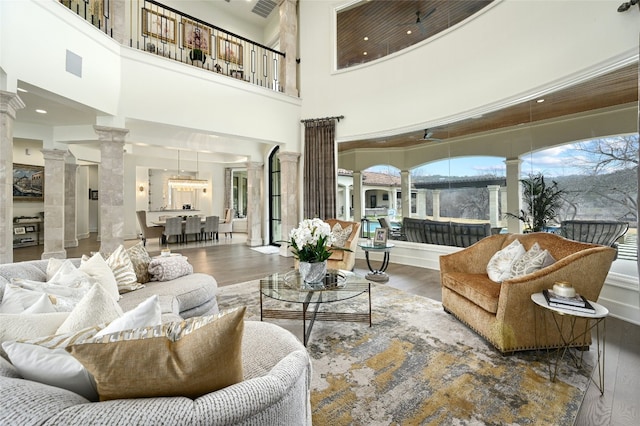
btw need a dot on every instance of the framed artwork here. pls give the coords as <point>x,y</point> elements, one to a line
<point>229,51</point>
<point>196,36</point>
<point>30,228</point>
<point>20,230</point>
<point>380,238</point>
<point>28,182</point>
<point>93,194</point>
<point>159,26</point>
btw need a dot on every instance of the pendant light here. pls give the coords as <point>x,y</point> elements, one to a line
<point>186,183</point>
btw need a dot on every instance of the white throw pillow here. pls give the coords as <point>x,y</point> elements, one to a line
<point>55,367</point>
<point>53,265</point>
<point>63,297</point>
<point>27,326</point>
<point>147,314</point>
<point>499,266</point>
<point>340,236</point>
<point>68,275</point>
<point>97,268</point>
<point>16,299</point>
<point>42,306</point>
<point>96,307</point>
<point>534,259</point>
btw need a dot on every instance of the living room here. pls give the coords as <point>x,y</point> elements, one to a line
<point>225,140</point>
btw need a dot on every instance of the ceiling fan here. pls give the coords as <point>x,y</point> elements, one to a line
<point>420,20</point>
<point>428,136</point>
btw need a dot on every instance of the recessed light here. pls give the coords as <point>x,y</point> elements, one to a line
<point>364,53</point>
<point>409,32</point>
<point>366,38</point>
<point>540,101</point>
<point>41,111</point>
<point>20,89</point>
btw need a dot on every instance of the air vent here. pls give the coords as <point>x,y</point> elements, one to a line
<point>263,7</point>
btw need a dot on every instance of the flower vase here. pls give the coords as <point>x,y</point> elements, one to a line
<point>313,272</point>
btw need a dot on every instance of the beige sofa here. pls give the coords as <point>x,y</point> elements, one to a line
<point>503,313</point>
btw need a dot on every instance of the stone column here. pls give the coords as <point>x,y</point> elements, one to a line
<point>357,196</point>
<point>405,187</point>
<point>70,205</point>
<point>289,45</point>
<point>9,103</point>
<point>254,204</point>
<point>117,17</point>
<point>54,197</point>
<point>514,198</point>
<point>111,187</point>
<point>435,193</point>
<point>421,210</point>
<point>289,196</point>
<point>503,206</point>
<point>228,202</point>
<point>494,208</point>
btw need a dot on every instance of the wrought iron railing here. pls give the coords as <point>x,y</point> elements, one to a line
<point>167,32</point>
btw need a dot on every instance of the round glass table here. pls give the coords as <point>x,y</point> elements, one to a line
<point>377,275</point>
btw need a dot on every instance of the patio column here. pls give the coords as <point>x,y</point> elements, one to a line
<point>503,206</point>
<point>435,193</point>
<point>9,104</point>
<point>405,187</point>
<point>357,196</point>
<point>514,198</point>
<point>54,198</point>
<point>289,196</point>
<point>111,186</point>
<point>421,210</point>
<point>289,45</point>
<point>70,221</point>
<point>494,210</point>
<point>254,204</point>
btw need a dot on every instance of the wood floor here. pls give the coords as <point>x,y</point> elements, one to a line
<point>230,261</point>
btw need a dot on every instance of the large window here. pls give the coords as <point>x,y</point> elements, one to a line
<point>275,200</point>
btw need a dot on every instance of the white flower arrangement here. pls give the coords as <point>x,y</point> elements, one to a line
<point>309,242</point>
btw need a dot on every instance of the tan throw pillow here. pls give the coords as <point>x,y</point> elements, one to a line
<point>188,358</point>
<point>340,236</point>
<point>122,268</point>
<point>140,260</point>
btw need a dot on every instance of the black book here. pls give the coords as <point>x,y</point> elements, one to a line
<point>576,300</point>
<point>587,308</point>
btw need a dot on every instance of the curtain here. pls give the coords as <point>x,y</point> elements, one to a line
<point>319,199</point>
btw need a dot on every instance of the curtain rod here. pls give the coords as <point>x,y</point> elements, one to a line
<point>338,117</point>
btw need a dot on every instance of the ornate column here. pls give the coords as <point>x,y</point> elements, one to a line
<point>227,203</point>
<point>514,199</point>
<point>405,187</point>
<point>111,187</point>
<point>435,193</point>
<point>54,197</point>
<point>9,103</point>
<point>494,209</point>
<point>254,204</point>
<point>289,45</point>
<point>289,196</point>
<point>357,196</point>
<point>70,205</point>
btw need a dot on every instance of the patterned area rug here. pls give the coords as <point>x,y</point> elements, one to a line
<point>418,365</point>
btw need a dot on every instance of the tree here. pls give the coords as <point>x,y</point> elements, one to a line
<point>542,202</point>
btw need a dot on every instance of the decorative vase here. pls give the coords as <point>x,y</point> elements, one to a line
<point>313,272</point>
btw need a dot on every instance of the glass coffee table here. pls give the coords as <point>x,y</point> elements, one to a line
<point>289,287</point>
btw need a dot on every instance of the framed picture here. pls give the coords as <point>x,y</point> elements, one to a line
<point>93,194</point>
<point>30,228</point>
<point>229,51</point>
<point>380,237</point>
<point>196,36</point>
<point>19,230</point>
<point>28,182</point>
<point>237,74</point>
<point>159,26</point>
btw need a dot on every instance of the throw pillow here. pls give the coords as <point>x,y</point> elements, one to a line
<point>339,235</point>
<point>27,326</point>
<point>169,268</point>
<point>534,259</point>
<point>122,268</point>
<point>146,314</point>
<point>499,266</point>
<point>42,306</point>
<point>96,307</point>
<point>63,297</point>
<point>52,266</point>
<point>140,260</point>
<point>96,267</point>
<point>16,299</point>
<point>189,358</point>
<point>69,276</point>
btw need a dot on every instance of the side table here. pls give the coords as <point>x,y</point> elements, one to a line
<point>593,321</point>
<point>377,275</point>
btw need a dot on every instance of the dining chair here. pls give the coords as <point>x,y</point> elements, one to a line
<point>193,227</point>
<point>227,225</point>
<point>149,231</point>
<point>210,227</point>
<point>173,227</point>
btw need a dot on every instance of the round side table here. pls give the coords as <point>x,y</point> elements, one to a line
<point>377,275</point>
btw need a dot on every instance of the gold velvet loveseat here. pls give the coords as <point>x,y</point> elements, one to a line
<point>503,313</point>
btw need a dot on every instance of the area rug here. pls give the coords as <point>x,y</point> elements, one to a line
<point>418,365</point>
<point>267,249</point>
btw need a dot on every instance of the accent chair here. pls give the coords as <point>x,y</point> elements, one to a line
<point>149,231</point>
<point>341,259</point>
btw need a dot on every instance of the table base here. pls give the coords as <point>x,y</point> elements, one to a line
<point>378,276</point>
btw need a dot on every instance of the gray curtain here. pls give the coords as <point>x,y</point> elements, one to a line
<point>319,169</point>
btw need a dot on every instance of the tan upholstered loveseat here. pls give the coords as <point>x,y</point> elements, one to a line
<point>504,313</point>
<point>341,259</point>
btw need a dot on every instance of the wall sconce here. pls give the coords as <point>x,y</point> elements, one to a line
<point>141,188</point>
<point>204,190</point>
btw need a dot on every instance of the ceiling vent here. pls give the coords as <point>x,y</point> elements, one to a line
<point>263,7</point>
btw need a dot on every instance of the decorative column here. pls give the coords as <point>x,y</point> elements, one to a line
<point>111,187</point>
<point>421,209</point>
<point>514,199</point>
<point>503,206</point>
<point>254,205</point>
<point>54,196</point>
<point>494,208</point>
<point>289,196</point>
<point>117,16</point>
<point>9,103</point>
<point>70,205</point>
<point>289,45</point>
<point>405,187</point>
<point>227,203</point>
<point>435,193</point>
<point>357,196</point>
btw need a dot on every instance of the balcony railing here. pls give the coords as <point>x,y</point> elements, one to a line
<point>167,32</point>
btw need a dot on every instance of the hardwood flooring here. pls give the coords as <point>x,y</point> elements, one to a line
<point>230,261</point>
